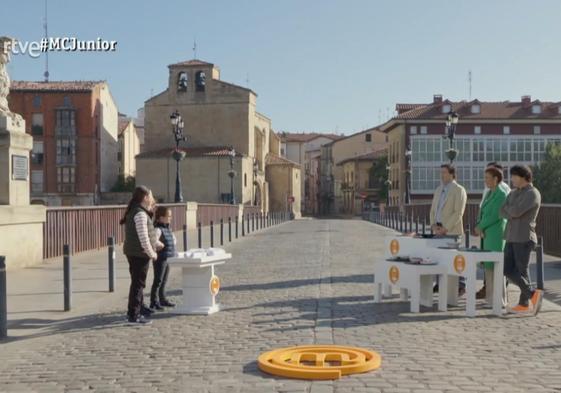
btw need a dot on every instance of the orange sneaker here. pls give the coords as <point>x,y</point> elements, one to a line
<point>536,300</point>
<point>520,310</point>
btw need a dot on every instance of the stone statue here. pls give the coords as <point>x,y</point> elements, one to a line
<point>5,45</point>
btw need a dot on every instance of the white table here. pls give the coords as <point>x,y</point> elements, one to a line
<point>200,284</point>
<point>464,263</point>
<point>406,246</point>
<point>413,280</point>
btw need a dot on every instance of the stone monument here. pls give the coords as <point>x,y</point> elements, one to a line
<point>21,224</point>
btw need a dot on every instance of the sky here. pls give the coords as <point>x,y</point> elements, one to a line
<point>317,66</point>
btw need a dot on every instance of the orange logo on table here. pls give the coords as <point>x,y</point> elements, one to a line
<point>394,247</point>
<point>459,263</point>
<point>214,285</point>
<point>394,274</point>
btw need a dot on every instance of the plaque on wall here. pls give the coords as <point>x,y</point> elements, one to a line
<point>20,167</point>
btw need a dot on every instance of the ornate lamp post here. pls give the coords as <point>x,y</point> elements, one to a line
<point>255,183</point>
<point>178,155</point>
<point>449,133</point>
<point>232,174</point>
<point>408,154</point>
<point>388,183</point>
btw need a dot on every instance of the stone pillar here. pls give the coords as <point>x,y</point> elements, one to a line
<point>15,146</point>
<point>191,214</point>
<point>21,224</point>
<point>240,214</point>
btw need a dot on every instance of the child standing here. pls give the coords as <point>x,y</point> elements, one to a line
<point>165,235</point>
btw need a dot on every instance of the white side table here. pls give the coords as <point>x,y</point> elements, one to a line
<point>200,284</point>
<point>464,263</point>
<point>413,280</point>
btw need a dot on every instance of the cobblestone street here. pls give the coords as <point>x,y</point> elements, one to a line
<point>302,282</point>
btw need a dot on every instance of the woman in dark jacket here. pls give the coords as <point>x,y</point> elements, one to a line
<point>139,248</point>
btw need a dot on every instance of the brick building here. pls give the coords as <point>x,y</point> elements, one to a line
<point>507,132</point>
<point>74,127</point>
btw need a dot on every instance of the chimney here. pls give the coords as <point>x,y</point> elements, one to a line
<point>437,99</point>
<point>526,101</point>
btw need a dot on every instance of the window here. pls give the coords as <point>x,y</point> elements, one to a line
<point>539,150</point>
<point>37,101</point>
<point>182,81</point>
<point>368,137</point>
<point>537,130</point>
<point>446,108</point>
<point>65,179</point>
<point>65,151</point>
<point>245,179</point>
<point>425,149</point>
<point>37,181</point>
<point>66,101</point>
<point>66,122</point>
<point>506,130</point>
<point>200,81</point>
<point>521,150</point>
<point>37,124</point>
<point>478,178</point>
<point>413,129</point>
<point>282,151</point>
<point>536,109</point>
<point>478,150</point>
<point>37,153</point>
<point>423,129</point>
<point>425,178</point>
<point>497,150</point>
<point>476,108</point>
<point>477,130</point>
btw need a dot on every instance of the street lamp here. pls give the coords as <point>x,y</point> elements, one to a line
<point>232,174</point>
<point>178,155</point>
<point>408,154</point>
<point>449,133</point>
<point>388,183</point>
<point>255,182</point>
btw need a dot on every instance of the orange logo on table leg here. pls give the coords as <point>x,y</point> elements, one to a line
<point>214,285</point>
<point>394,274</point>
<point>394,247</point>
<point>459,263</point>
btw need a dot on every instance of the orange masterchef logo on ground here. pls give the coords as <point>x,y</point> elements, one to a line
<point>214,285</point>
<point>394,246</point>
<point>394,274</point>
<point>318,361</point>
<point>459,263</point>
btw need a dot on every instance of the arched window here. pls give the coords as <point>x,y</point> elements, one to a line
<point>182,81</point>
<point>200,80</point>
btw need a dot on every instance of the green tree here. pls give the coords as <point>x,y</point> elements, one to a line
<point>547,174</point>
<point>124,185</point>
<point>378,176</point>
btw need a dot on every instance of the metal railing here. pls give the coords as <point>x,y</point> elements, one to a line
<point>87,228</point>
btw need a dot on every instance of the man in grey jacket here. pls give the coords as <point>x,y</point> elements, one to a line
<point>521,209</point>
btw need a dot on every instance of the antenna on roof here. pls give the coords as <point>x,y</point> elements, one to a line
<point>195,48</point>
<point>247,80</point>
<point>469,82</point>
<point>46,73</point>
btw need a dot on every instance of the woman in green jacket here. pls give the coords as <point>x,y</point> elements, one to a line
<point>490,226</point>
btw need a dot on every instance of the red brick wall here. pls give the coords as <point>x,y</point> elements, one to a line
<point>87,146</point>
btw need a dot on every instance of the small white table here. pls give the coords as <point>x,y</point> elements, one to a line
<point>464,263</point>
<point>413,280</point>
<point>200,284</point>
